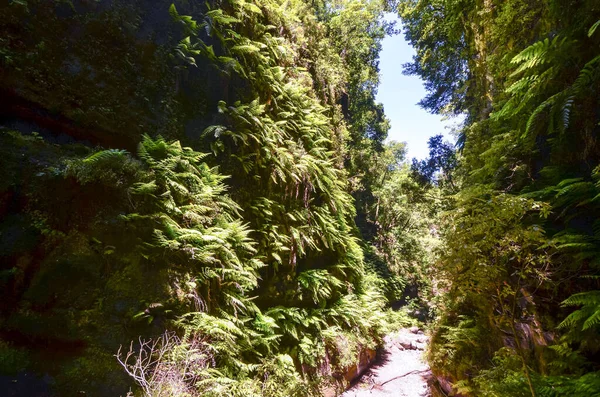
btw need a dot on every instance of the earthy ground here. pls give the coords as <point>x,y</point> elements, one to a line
<point>400,371</point>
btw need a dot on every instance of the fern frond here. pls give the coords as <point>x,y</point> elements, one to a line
<point>106,155</point>
<point>593,28</point>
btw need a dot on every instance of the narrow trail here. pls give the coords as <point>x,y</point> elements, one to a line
<point>400,371</point>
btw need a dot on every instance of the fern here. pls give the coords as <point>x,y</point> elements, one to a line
<point>106,155</point>
<point>586,317</point>
<point>593,28</point>
<point>537,54</point>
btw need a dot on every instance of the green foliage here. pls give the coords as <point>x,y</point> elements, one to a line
<point>279,145</point>
<point>442,52</point>
<point>106,156</point>
<point>589,314</point>
<point>505,377</point>
<point>522,230</point>
<point>12,359</point>
<point>405,216</point>
<point>253,284</point>
<point>113,93</point>
<point>586,385</point>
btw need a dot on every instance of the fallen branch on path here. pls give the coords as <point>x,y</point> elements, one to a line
<point>400,376</point>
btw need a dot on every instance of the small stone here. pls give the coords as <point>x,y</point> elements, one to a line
<point>405,343</point>
<point>419,346</point>
<point>414,330</point>
<point>399,347</point>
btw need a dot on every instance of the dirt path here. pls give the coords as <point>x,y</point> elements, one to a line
<point>401,370</point>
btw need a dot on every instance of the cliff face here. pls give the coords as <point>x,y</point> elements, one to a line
<point>99,71</point>
<point>63,307</point>
<point>82,215</point>
<point>74,75</point>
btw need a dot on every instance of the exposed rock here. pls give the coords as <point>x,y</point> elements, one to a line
<point>350,373</point>
<point>364,360</point>
<point>406,344</point>
<point>419,346</point>
<point>399,347</point>
<point>445,386</point>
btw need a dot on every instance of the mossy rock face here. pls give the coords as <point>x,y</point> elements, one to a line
<point>72,270</point>
<point>98,71</point>
<point>81,73</point>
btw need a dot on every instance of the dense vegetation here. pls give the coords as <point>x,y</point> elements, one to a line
<point>518,269</point>
<point>202,190</point>
<point>198,198</point>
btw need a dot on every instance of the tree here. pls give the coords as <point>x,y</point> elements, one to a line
<point>439,166</point>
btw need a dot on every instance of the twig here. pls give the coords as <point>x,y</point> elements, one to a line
<point>402,376</point>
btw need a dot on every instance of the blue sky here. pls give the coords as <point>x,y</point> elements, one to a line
<point>400,95</point>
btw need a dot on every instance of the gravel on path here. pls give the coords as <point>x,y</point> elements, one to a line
<point>400,370</point>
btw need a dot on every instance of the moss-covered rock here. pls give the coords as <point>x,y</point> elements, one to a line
<point>72,272</point>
